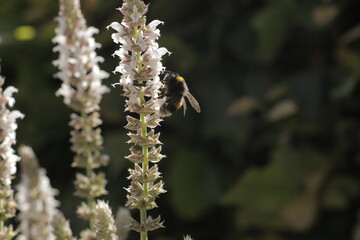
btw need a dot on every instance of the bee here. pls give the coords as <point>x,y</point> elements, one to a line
<point>174,93</point>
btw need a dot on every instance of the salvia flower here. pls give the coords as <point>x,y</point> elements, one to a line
<point>140,65</point>
<point>8,158</point>
<point>82,90</point>
<point>35,199</point>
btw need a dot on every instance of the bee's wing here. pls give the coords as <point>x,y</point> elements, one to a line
<point>193,102</point>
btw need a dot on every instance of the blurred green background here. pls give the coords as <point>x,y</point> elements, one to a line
<point>275,152</point>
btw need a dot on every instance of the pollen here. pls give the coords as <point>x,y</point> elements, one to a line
<point>178,104</point>
<point>180,79</point>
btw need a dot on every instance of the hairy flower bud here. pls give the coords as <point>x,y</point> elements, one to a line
<point>188,237</point>
<point>61,227</point>
<point>104,224</point>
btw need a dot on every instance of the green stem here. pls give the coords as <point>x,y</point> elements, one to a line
<point>145,151</point>
<point>1,220</point>
<point>90,199</point>
<point>145,167</point>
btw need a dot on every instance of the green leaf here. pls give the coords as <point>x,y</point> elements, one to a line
<point>272,24</point>
<point>346,88</point>
<point>115,146</point>
<point>261,193</point>
<point>340,192</point>
<point>195,184</point>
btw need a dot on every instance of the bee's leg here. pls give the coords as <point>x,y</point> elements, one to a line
<point>183,104</point>
<point>162,93</point>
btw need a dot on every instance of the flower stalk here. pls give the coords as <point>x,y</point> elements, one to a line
<point>82,90</point>
<point>145,165</point>
<point>140,66</point>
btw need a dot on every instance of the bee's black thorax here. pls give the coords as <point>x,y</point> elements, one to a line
<point>175,85</point>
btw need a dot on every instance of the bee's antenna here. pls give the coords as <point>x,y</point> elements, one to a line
<point>167,73</point>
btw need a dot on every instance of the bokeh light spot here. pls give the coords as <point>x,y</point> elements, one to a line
<point>24,33</point>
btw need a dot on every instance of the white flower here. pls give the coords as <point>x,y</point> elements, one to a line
<point>8,128</point>
<point>8,92</point>
<point>120,31</point>
<point>150,53</point>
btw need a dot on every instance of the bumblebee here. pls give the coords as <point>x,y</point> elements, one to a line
<point>174,93</point>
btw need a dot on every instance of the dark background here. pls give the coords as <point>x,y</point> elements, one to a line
<point>274,154</point>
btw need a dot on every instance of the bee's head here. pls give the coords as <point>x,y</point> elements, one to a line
<point>171,76</point>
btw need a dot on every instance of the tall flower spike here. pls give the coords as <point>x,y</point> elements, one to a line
<point>82,90</point>
<point>8,158</point>
<point>140,66</point>
<point>35,199</point>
